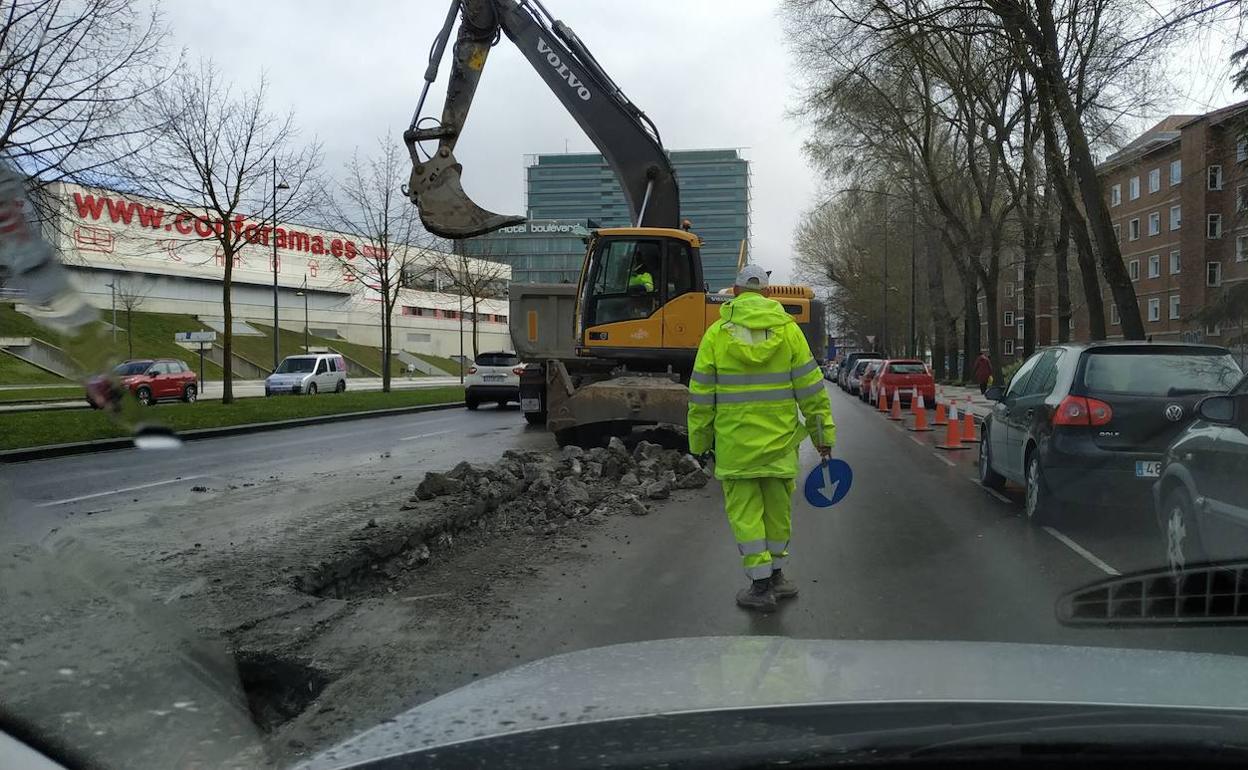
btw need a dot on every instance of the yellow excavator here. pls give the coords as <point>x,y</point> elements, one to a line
<point>641,305</point>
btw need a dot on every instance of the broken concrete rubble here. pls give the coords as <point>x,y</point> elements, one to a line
<point>529,491</point>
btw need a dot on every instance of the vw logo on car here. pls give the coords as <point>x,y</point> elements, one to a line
<point>1174,412</point>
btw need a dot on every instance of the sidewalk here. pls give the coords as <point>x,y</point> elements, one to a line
<point>980,406</point>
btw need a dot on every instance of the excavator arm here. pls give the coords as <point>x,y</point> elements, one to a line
<point>621,132</point>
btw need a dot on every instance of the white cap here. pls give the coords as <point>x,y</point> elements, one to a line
<point>752,277</point>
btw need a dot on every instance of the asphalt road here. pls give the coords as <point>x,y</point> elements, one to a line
<point>917,550</point>
<point>47,492</point>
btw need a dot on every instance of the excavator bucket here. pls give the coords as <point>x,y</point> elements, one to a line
<point>445,209</point>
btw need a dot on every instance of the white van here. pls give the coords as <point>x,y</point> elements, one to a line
<point>313,373</point>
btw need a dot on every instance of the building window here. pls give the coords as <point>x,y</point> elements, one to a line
<point>1174,307</point>
<point>1133,230</point>
<point>1213,228</point>
<point>1154,223</point>
<point>1154,309</point>
<point>1213,273</point>
<point>1154,266</point>
<point>1176,172</point>
<point>1133,188</point>
<point>1241,198</point>
<point>1008,346</point>
<point>1176,217</point>
<point>1009,318</point>
<point>1009,288</point>
<point>1118,233</point>
<point>1215,177</point>
<point>1174,263</point>
<point>1020,328</point>
<point>1154,180</point>
<point>1213,330</point>
<point>1241,150</point>
<point>1113,315</point>
<point>1241,248</point>
<point>1133,269</point>
<point>1115,195</point>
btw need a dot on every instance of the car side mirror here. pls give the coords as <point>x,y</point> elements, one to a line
<point>153,373</point>
<point>1217,409</point>
<point>995,393</point>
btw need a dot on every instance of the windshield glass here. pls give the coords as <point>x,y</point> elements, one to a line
<point>1160,374</point>
<point>132,367</point>
<point>530,437</point>
<point>296,366</point>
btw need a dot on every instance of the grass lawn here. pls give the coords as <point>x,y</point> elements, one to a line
<point>95,350</point>
<point>259,350</point>
<point>448,365</point>
<point>27,429</point>
<point>70,393</point>
<point>15,371</point>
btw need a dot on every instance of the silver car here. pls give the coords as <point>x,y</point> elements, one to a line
<point>312,373</point>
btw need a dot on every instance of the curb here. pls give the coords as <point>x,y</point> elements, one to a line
<point>108,444</point>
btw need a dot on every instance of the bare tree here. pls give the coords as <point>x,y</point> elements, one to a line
<point>70,76</point>
<point>214,156</point>
<point>395,247</point>
<point>131,296</point>
<point>474,278</point>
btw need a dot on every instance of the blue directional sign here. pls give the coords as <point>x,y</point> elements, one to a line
<point>828,483</point>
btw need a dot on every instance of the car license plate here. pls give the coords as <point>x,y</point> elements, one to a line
<point>493,378</point>
<point>530,405</point>
<point>1147,469</point>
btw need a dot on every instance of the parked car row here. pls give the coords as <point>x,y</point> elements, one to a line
<point>1151,425</point>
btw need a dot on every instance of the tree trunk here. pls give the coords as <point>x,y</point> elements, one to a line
<point>951,343</point>
<point>130,332</point>
<point>939,310</point>
<point>1031,256</point>
<point>1100,224</point>
<point>1061,267</point>
<point>992,308</point>
<point>475,321</point>
<point>227,319</point>
<point>387,333</point>
<point>971,336</point>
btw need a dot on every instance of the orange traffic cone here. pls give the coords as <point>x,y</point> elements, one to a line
<point>953,436</point>
<point>881,402</point>
<point>968,423</point>
<point>916,401</point>
<point>941,417</point>
<point>895,413</point>
<point>920,417</point>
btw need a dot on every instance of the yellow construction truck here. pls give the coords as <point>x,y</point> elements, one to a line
<point>615,350</point>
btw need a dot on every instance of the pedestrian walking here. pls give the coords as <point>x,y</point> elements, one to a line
<point>982,371</point>
<point>753,374</point>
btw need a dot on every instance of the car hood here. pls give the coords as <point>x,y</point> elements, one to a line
<point>726,673</point>
<point>288,377</point>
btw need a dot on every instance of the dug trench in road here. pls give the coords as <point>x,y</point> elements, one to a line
<point>914,552</point>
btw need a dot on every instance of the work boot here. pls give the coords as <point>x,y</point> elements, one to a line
<point>758,596</point>
<point>781,586</point>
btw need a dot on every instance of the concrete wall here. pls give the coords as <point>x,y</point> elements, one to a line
<point>356,320</point>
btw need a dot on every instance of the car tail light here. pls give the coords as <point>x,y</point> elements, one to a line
<point>517,370</point>
<point>1077,410</point>
<point>472,370</point>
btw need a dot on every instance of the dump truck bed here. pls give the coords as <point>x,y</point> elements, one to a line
<point>541,317</point>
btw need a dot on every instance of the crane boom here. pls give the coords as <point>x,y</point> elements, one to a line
<point>623,134</point>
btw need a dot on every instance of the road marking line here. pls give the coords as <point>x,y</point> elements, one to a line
<point>945,460</point>
<point>993,492</point>
<point>916,440</point>
<point>117,491</point>
<point>426,435</point>
<point>1092,558</point>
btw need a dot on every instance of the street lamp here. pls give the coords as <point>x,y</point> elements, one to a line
<point>303,292</point>
<point>276,187</point>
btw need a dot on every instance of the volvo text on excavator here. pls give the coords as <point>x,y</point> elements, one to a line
<point>641,305</point>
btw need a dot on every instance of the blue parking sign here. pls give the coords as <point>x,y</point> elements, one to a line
<point>828,483</point>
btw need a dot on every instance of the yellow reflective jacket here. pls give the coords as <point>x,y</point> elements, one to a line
<point>642,279</point>
<point>754,371</point>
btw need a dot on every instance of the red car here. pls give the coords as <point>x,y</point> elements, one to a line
<point>866,383</point>
<point>149,379</point>
<point>905,377</point>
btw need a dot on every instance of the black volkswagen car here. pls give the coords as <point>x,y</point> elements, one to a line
<point>1201,508</point>
<point>1088,424</point>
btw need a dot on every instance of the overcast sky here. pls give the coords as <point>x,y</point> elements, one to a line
<point>710,74</point>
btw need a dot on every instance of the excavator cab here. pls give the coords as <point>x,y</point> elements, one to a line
<point>641,299</point>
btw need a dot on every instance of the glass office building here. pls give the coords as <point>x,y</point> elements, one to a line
<point>714,195</point>
<point>539,251</point>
